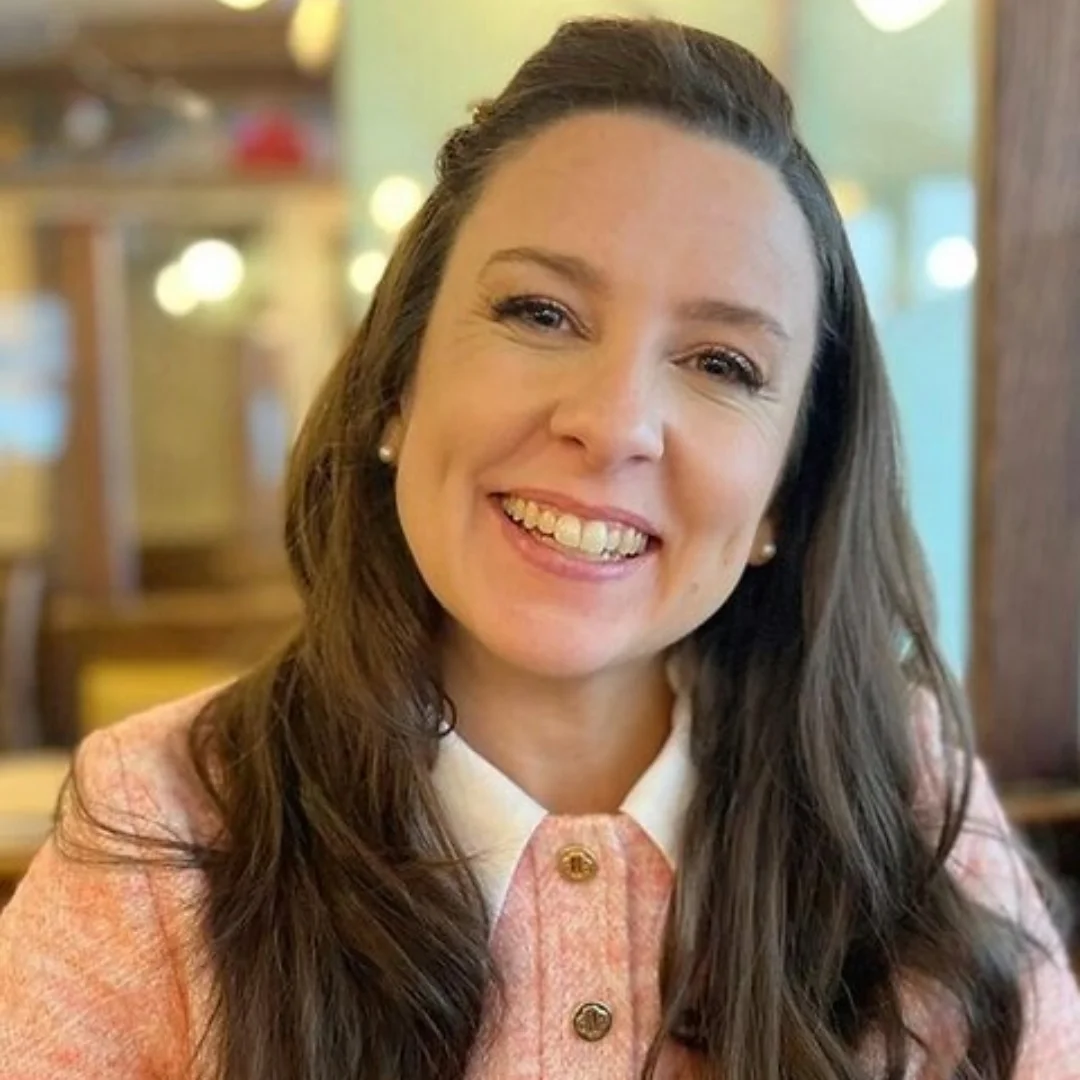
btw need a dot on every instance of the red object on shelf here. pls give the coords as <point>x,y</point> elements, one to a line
<point>272,141</point>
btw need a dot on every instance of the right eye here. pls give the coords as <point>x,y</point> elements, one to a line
<point>534,312</point>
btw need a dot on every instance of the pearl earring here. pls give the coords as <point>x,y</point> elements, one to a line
<point>386,454</point>
<point>768,550</point>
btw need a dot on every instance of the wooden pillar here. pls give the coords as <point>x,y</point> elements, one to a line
<point>1024,677</point>
<point>94,541</point>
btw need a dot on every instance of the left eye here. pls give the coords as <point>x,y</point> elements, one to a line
<point>533,311</point>
<point>731,365</point>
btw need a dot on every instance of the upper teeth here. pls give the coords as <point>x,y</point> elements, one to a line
<point>592,537</point>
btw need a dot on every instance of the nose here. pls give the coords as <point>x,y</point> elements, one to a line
<point>609,406</point>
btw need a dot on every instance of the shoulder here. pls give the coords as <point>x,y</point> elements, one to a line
<point>135,786</point>
<point>933,745</point>
<point>101,970</point>
<point>987,858</point>
<point>942,757</point>
<point>140,772</point>
<point>994,867</point>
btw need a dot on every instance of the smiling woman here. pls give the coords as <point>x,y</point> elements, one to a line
<point>613,347</point>
<point>615,741</point>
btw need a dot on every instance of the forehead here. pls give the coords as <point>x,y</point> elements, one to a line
<point>654,206</point>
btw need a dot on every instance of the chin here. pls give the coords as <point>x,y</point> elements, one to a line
<point>555,653</point>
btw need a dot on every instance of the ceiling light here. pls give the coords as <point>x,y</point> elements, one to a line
<point>366,271</point>
<point>244,5</point>
<point>394,202</point>
<point>173,293</point>
<point>893,16</point>
<point>951,263</point>
<point>214,269</point>
<point>314,32</point>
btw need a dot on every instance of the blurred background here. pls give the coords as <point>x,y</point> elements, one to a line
<point>196,198</point>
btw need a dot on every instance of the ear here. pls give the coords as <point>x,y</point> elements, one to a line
<point>399,422</point>
<point>764,547</point>
<point>393,435</point>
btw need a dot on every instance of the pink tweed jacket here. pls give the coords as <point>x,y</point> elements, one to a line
<point>100,975</point>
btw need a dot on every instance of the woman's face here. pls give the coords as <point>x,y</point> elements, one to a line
<point>605,393</point>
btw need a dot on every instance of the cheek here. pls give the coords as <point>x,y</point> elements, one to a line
<point>725,490</point>
<point>462,387</point>
<point>439,419</point>
<point>467,426</point>
<point>723,497</point>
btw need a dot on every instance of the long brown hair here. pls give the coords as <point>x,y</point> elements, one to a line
<point>347,934</point>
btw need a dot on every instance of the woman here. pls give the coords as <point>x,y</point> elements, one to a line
<point>614,741</point>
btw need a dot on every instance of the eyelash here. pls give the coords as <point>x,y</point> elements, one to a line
<point>527,309</point>
<point>524,308</point>
<point>746,371</point>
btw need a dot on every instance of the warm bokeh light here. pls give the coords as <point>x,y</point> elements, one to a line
<point>244,5</point>
<point>892,16</point>
<point>173,292</point>
<point>214,269</point>
<point>850,196</point>
<point>952,262</point>
<point>314,33</point>
<point>366,271</point>
<point>394,201</point>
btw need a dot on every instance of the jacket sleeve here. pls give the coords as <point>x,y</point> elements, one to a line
<point>989,863</point>
<point>87,984</point>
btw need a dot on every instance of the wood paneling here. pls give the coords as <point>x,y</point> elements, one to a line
<point>1029,806</point>
<point>94,527</point>
<point>1026,633</point>
<point>221,53</point>
<point>227,627</point>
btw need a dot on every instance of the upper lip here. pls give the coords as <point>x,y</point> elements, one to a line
<point>588,511</point>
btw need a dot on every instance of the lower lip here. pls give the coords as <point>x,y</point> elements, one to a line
<point>555,562</point>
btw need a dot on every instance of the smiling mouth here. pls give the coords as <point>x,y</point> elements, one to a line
<point>600,541</point>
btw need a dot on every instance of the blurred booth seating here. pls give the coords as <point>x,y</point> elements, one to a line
<point>106,661</point>
<point>113,660</point>
<point>30,783</point>
<point>22,602</point>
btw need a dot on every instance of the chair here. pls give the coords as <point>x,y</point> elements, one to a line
<point>30,784</point>
<point>22,602</point>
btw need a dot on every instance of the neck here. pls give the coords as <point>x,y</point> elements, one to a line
<point>576,745</point>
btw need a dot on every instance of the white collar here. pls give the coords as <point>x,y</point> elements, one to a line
<point>493,819</point>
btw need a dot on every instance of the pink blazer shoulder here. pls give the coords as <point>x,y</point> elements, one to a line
<point>100,972</point>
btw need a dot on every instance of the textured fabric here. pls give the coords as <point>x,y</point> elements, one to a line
<point>101,974</point>
<point>562,944</point>
<point>493,819</point>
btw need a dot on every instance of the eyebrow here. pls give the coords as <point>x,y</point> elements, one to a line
<point>580,272</point>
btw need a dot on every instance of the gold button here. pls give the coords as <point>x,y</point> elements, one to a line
<point>577,863</point>
<point>592,1021</point>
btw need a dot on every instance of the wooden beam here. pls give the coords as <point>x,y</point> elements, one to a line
<point>94,540</point>
<point>229,201</point>
<point>1026,589</point>
<point>225,52</point>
